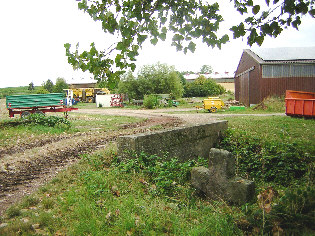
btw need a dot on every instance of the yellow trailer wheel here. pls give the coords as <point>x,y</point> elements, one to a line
<point>213,110</point>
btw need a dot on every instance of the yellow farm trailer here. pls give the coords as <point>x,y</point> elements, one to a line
<point>88,94</point>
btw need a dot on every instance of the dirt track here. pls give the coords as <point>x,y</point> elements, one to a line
<point>190,117</point>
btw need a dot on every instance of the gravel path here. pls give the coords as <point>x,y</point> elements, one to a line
<point>189,118</point>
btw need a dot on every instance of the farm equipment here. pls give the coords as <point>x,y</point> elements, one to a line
<point>25,105</point>
<point>299,103</point>
<point>88,94</point>
<point>212,104</point>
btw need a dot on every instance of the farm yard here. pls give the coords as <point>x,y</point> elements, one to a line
<point>67,179</point>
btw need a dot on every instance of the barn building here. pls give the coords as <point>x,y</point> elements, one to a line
<point>267,72</point>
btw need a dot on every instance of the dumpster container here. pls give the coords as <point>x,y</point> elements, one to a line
<point>212,104</point>
<point>300,103</point>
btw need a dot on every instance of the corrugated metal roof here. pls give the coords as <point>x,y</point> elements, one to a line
<point>285,54</point>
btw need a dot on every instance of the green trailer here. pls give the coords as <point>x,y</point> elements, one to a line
<point>25,105</point>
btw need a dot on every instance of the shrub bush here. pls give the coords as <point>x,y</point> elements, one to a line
<point>150,101</point>
<point>203,87</point>
<point>152,79</point>
<point>51,121</point>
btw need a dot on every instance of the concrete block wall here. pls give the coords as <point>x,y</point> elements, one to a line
<point>183,142</point>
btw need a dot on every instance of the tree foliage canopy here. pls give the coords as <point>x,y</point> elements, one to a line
<point>203,87</point>
<point>48,85</point>
<point>61,84</point>
<point>134,22</point>
<point>206,69</point>
<point>31,86</point>
<point>152,79</point>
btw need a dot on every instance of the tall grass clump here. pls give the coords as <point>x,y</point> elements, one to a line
<point>274,149</point>
<point>167,174</point>
<point>271,104</point>
<point>278,153</point>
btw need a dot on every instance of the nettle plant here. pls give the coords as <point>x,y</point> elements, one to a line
<point>51,121</point>
<point>167,174</point>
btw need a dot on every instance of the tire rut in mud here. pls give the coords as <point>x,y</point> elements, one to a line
<point>21,147</point>
<point>29,170</point>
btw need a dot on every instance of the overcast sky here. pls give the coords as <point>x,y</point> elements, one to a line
<point>32,35</point>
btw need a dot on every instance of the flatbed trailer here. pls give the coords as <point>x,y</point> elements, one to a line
<point>25,105</point>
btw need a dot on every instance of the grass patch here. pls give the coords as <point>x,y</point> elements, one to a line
<point>86,105</point>
<point>13,211</point>
<point>30,201</point>
<point>14,131</point>
<point>129,198</point>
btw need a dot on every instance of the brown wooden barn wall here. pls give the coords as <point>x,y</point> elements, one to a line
<point>252,96</point>
<point>278,86</point>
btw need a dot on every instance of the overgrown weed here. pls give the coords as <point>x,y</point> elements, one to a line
<point>278,153</point>
<point>271,104</point>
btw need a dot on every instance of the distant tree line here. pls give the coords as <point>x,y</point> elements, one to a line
<point>49,87</point>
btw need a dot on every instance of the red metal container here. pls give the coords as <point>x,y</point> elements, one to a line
<point>300,103</point>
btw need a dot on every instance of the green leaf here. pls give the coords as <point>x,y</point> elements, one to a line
<point>118,58</point>
<point>120,46</point>
<point>132,66</point>
<point>154,41</point>
<point>141,38</point>
<point>238,31</point>
<point>162,36</point>
<point>178,37</point>
<point>67,46</point>
<point>224,39</point>
<point>312,12</point>
<point>192,47</point>
<point>163,20</point>
<point>296,22</point>
<point>256,9</point>
<point>250,3</point>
